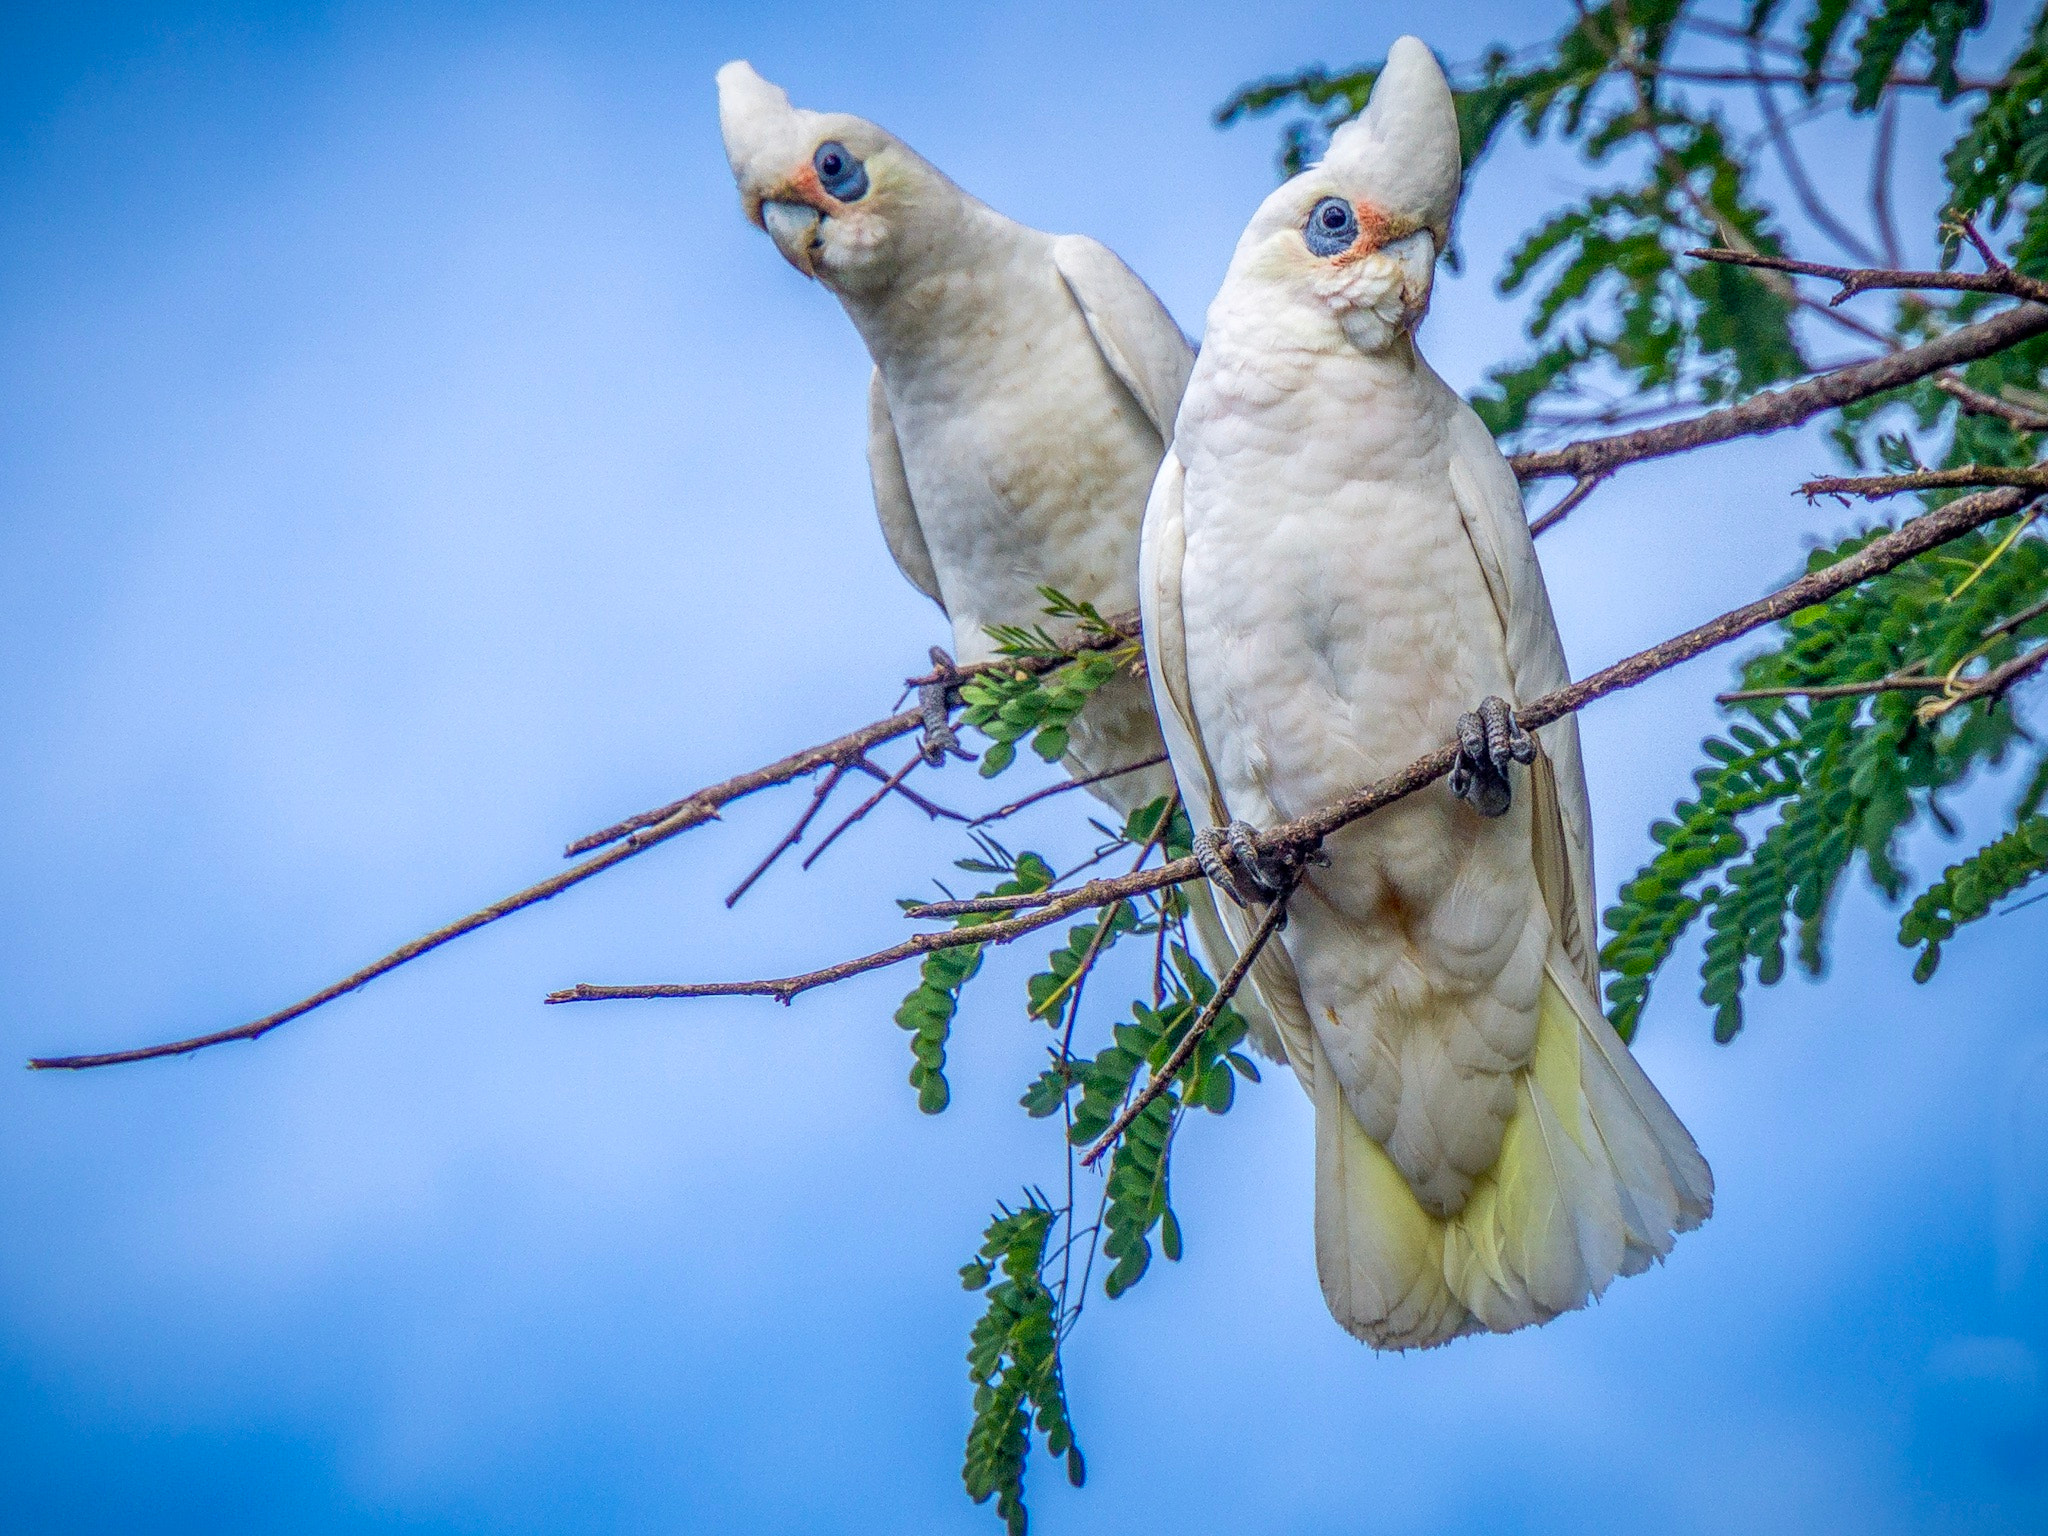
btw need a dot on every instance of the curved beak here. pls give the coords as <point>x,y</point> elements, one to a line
<point>1416,256</point>
<point>794,229</point>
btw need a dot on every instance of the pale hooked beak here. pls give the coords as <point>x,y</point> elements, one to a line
<point>1416,256</point>
<point>794,229</point>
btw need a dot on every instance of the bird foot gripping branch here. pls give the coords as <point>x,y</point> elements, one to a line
<point>935,704</point>
<point>1250,875</point>
<point>1489,739</point>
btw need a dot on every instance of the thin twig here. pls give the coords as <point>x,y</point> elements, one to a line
<point>691,815</point>
<point>845,749</point>
<point>891,782</point>
<point>1060,789</point>
<point>1991,685</point>
<point>1896,683</point>
<point>1994,264</point>
<point>794,835</point>
<point>1964,476</point>
<point>1909,679</point>
<point>2025,616</point>
<point>635,835</point>
<point>1774,410</point>
<point>1276,914</point>
<point>1855,280</point>
<point>1795,169</point>
<point>1881,182</point>
<point>1297,839</point>
<point>903,791</point>
<point>1688,76</point>
<point>1975,402</point>
<point>1586,486</point>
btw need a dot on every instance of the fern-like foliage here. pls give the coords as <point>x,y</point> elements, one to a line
<point>1845,772</point>
<point>1013,1359</point>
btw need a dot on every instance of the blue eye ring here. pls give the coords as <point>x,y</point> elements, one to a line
<point>839,173</point>
<point>1332,227</point>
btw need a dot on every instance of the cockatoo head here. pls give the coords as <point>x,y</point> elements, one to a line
<point>1358,234</point>
<point>838,195</point>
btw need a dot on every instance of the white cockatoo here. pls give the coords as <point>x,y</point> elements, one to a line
<point>1024,388</point>
<point>1336,570</point>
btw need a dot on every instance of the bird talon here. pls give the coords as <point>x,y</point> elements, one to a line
<point>1210,854</point>
<point>1489,739</point>
<point>1231,858</point>
<point>934,703</point>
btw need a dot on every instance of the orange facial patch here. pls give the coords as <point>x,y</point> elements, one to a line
<point>1375,229</point>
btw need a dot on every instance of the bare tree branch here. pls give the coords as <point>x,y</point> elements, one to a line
<point>633,836</point>
<point>1795,169</point>
<point>1855,280</point>
<point>1002,811</point>
<point>1294,841</point>
<point>1690,76</point>
<point>1775,410</point>
<point>1881,181</point>
<point>848,749</point>
<point>1976,403</point>
<point>793,836</point>
<point>893,781</point>
<point>1876,487</point>
<point>1586,486</point>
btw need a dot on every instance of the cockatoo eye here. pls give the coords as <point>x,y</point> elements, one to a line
<point>1332,227</point>
<point>839,173</point>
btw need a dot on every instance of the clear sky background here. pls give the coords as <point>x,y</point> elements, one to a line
<point>410,460</point>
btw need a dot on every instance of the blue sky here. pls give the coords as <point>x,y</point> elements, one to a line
<point>410,460</point>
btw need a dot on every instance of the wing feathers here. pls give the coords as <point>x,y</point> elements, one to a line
<point>1138,338</point>
<point>892,496</point>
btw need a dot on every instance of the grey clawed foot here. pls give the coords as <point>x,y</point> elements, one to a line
<point>932,702</point>
<point>1230,857</point>
<point>1489,738</point>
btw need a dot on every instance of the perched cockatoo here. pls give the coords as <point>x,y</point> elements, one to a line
<point>1335,571</point>
<point>1024,388</point>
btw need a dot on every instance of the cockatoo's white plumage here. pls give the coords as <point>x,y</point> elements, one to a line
<point>1024,388</point>
<point>1335,567</point>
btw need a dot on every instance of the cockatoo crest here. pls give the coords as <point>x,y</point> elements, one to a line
<point>1361,230</point>
<point>843,200</point>
<point>1402,150</point>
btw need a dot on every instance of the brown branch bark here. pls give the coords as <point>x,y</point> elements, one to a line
<point>1964,476</point>
<point>844,751</point>
<point>1002,811</point>
<point>793,836</point>
<point>1976,403</point>
<point>1585,487</point>
<point>1855,280</point>
<point>633,836</point>
<point>893,781</point>
<point>1295,840</point>
<point>1775,410</point>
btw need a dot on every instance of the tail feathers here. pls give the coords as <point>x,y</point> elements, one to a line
<point>1595,1177</point>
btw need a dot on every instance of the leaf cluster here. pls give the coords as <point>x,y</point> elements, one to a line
<point>929,1009</point>
<point>1013,1359</point>
<point>1847,774</point>
<point>1009,706</point>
